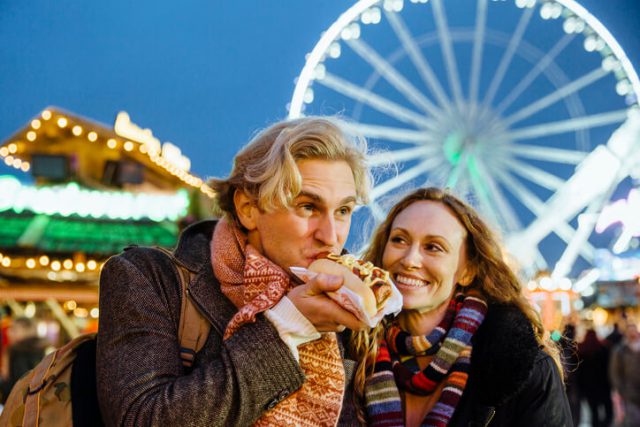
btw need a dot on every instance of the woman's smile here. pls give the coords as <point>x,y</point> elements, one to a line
<point>412,282</point>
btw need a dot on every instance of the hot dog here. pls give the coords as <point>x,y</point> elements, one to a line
<point>373,284</point>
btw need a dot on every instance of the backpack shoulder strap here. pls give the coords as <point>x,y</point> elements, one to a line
<point>194,327</point>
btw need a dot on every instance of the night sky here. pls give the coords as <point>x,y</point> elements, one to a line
<point>203,74</point>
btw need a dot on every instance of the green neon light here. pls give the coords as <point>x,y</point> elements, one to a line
<point>71,199</point>
<point>452,147</point>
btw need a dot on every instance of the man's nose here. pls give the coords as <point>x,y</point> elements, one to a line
<point>327,232</point>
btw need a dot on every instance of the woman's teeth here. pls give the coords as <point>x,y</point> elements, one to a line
<point>410,281</point>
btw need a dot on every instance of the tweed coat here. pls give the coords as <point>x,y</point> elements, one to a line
<point>140,377</point>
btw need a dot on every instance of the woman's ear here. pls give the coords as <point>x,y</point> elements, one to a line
<point>246,209</point>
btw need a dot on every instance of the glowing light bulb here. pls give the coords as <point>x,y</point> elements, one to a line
<point>111,143</point>
<point>46,114</point>
<point>92,136</point>
<point>77,130</point>
<point>36,124</point>
<point>31,136</point>
<point>62,122</point>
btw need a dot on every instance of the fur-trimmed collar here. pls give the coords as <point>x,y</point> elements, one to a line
<point>504,351</point>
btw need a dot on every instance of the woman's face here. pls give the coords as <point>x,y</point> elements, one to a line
<point>426,255</point>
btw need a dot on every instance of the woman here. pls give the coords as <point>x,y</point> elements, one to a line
<point>467,348</point>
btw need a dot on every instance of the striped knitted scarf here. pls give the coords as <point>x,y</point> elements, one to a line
<point>255,284</point>
<point>396,367</point>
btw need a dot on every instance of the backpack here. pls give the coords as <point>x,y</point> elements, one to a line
<point>43,397</point>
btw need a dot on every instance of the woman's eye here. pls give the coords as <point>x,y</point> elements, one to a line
<point>396,239</point>
<point>433,247</point>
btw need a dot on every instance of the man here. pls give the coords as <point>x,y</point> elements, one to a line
<point>272,356</point>
<point>624,373</point>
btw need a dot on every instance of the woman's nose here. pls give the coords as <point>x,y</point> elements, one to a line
<point>412,259</point>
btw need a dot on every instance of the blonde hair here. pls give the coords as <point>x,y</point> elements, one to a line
<point>494,279</point>
<point>266,170</point>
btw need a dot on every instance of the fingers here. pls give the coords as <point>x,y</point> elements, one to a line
<point>345,318</point>
<point>324,313</point>
<point>337,319</point>
<point>324,283</point>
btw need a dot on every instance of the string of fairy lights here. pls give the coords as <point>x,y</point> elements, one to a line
<point>53,265</point>
<point>10,152</point>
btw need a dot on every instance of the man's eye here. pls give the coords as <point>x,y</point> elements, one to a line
<point>344,210</point>
<point>307,207</point>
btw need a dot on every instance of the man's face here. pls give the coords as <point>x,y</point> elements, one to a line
<point>316,223</point>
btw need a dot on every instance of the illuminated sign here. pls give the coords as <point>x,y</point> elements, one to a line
<point>625,211</point>
<point>124,127</point>
<point>71,199</point>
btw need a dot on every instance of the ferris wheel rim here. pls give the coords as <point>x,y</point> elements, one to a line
<point>315,57</point>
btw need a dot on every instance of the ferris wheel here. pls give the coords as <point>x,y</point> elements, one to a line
<point>513,105</point>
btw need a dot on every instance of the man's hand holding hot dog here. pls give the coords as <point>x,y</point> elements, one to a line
<point>358,291</point>
<point>370,283</point>
<point>325,314</point>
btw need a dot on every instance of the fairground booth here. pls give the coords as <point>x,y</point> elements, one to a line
<point>93,190</point>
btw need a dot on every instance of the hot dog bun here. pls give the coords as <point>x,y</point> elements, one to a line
<point>351,281</point>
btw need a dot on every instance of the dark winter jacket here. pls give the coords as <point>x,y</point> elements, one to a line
<point>141,380</point>
<point>512,382</point>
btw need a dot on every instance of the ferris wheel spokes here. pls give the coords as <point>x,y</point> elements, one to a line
<point>539,67</point>
<point>413,172</point>
<point>399,135</point>
<point>447,52</point>
<point>417,58</point>
<point>549,154</point>
<point>536,175</point>
<point>397,80</point>
<point>378,102</point>
<point>555,96</point>
<point>568,125</point>
<point>510,220</point>
<point>476,59</point>
<point>393,157</point>
<point>507,57</point>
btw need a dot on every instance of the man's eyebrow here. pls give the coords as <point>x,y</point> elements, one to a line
<point>318,199</point>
